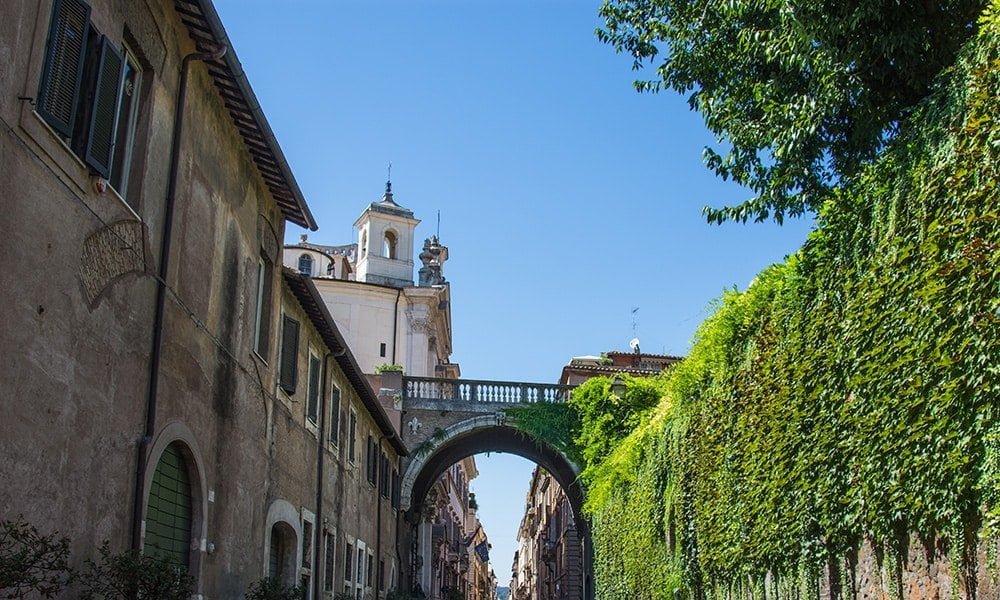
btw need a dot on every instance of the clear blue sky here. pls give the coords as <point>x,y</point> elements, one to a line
<point>566,198</point>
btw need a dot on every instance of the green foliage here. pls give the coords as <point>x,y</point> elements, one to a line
<point>31,562</point>
<point>801,93</point>
<point>129,575</point>
<point>272,588</point>
<point>849,394</point>
<point>389,368</point>
<point>547,423</point>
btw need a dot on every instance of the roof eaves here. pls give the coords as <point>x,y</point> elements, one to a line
<point>201,20</point>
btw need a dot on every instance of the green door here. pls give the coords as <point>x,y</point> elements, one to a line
<point>168,516</point>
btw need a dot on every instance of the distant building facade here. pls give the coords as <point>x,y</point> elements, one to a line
<point>638,364</point>
<point>548,563</point>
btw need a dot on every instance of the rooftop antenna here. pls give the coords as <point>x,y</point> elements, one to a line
<point>438,235</point>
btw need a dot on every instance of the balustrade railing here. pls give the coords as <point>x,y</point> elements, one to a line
<point>471,390</point>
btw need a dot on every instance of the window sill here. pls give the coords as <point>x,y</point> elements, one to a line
<point>65,164</point>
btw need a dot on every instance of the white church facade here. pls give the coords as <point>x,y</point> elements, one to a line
<point>368,287</point>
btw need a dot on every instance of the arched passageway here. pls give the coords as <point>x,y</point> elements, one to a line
<point>467,438</point>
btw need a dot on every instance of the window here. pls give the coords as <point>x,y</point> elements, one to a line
<point>288,373</point>
<point>89,92</point>
<point>360,578</point>
<point>383,475</point>
<point>364,243</point>
<point>334,414</point>
<point>372,463</point>
<point>348,570</point>
<point>352,437</point>
<point>306,264</point>
<point>307,543</point>
<point>381,574</point>
<point>395,489</point>
<point>389,244</point>
<point>381,350</point>
<point>329,549</point>
<point>262,325</point>
<point>369,580</point>
<point>312,394</point>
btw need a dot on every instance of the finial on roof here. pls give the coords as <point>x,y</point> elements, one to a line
<point>387,197</point>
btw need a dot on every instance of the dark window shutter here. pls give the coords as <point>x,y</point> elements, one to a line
<point>312,403</point>
<point>289,354</point>
<point>104,111</point>
<point>59,91</point>
<point>334,414</point>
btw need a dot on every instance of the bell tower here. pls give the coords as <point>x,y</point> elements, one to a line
<point>385,242</point>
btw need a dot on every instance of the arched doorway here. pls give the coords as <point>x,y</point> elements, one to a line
<point>281,553</point>
<point>169,509</point>
<point>464,439</point>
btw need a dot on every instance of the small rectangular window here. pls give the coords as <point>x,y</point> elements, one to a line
<point>352,437</point>
<point>312,394</point>
<point>289,354</point>
<point>307,544</point>
<point>361,566</point>
<point>348,561</point>
<point>369,580</point>
<point>329,543</point>
<point>372,463</point>
<point>395,489</point>
<point>334,414</point>
<point>381,349</point>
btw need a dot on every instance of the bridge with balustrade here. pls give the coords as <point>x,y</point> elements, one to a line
<point>445,420</point>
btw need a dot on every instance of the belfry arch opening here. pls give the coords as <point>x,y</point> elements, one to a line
<point>421,525</point>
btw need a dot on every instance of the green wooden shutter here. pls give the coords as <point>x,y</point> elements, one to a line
<point>100,148</point>
<point>59,90</point>
<point>288,375</point>
<point>168,512</point>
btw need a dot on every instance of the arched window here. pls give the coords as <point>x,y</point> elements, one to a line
<point>168,513</point>
<point>389,245</point>
<point>306,264</point>
<point>281,553</point>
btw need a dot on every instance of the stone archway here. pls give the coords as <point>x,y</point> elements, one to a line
<point>466,437</point>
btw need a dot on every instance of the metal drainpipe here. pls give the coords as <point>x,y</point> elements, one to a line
<point>161,293</point>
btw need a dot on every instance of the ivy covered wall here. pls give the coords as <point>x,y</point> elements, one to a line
<point>846,405</point>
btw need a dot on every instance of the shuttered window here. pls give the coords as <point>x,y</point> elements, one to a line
<point>104,111</point>
<point>62,74</point>
<point>312,399</point>
<point>334,414</point>
<point>168,513</point>
<point>372,461</point>
<point>289,354</point>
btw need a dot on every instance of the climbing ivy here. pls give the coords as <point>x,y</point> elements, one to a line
<point>850,394</point>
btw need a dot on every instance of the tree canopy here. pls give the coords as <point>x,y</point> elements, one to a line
<point>800,93</point>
